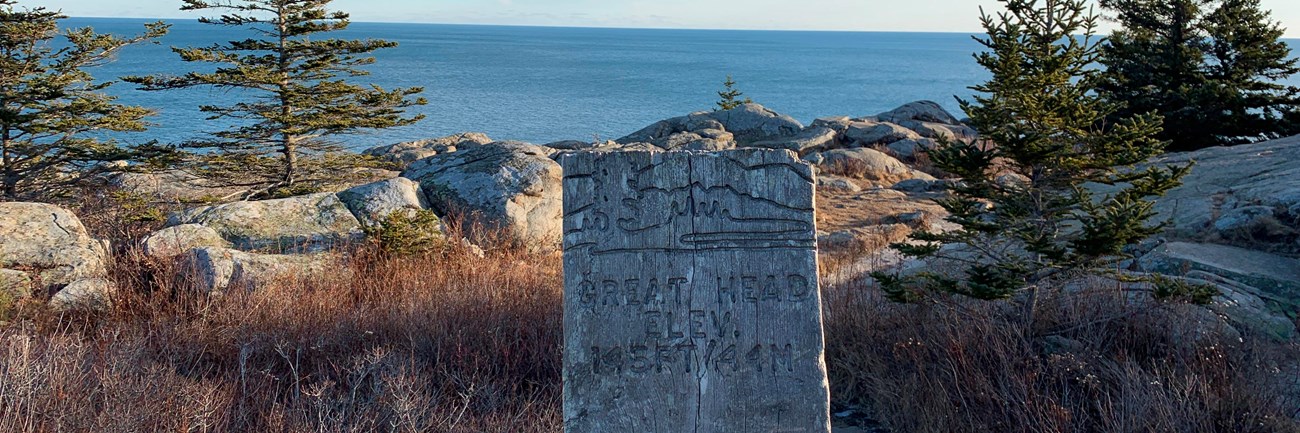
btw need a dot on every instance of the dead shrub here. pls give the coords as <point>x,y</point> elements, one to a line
<point>445,342</point>
<point>1106,365</point>
<point>851,168</point>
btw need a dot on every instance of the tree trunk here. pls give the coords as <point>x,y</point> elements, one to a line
<point>290,163</point>
<point>10,174</point>
<point>289,147</point>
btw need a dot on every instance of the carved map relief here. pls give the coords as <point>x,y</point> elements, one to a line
<point>691,294</point>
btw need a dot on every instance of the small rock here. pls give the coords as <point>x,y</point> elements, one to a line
<point>1058,345</point>
<point>837,184</point>
<point>214,270</point>
<point>838,124</point>
<point>515,186</point>
<point>753,123</point>
<point>373,203</point>
<point>940,131</point>
<point>869,164</point>
<point>924,111</point>
<point>51,241</point>
<point>811,139</point>
<point>919,185</point>
<point>308,223</point>
<point>87,294</point>
<point>176,240</point>
<point>579,145</point>
<point>911,218</point>
<point>406,153</point>
<point>815,158</point>
<point>704,140</point>
<point>472,249</point>
<point>910,149</point>
<point>865,134</point>
<point>1012,180</point>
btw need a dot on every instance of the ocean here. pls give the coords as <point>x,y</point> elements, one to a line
<point>544,84</point>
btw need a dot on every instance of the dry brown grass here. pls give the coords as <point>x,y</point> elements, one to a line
<point>445,343</point>
<point>453,343</point>
<point>850,168</point>
<point>1107,365</point>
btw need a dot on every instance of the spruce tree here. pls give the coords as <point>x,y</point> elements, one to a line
<point>1027,221</point>
<point>303,95</point>
<point>1211,68</point>
<point>52,111</point>
<point>1154,63</point>
<point>1247,63</point>
<point>731,96</point>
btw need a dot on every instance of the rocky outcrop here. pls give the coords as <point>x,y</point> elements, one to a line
<point>940,131</point>
<point>811,139</point>
<point>404,154</point>
<point>921,185</point>
<point>176,240</point>
<point>172,186</point>
<point>870,165</point>
<point>922,111</point>
<point>309,223</point>
<point>14,285</point>
<point>1247,195</point>
<point>84,294</point>
<point>580,145</point>
<point>215,270</point>
<point>1259,292</point>
<point>701,140</point>
<point>916,127</point>
<point>1244,307</point>
<point>179,186</point>
<point>515,186</point>
<point>372,204</point>
<point>1277,276</point>
<point>741,126</point>
<point>49,244</point>
<point>753,123</point>
<point>837,184</point>
<point>663,129</point>
<point>46,251</point>
<point>865,133</point>
<point>912,148</point>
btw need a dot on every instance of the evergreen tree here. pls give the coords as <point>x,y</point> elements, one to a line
<point>1247,62</point>
<point>52,112</point>
<point>302,99</point>
<point>731,96</point>
<point>1154,64</point>
<point>1039,117</point>
<point>1211,68</point>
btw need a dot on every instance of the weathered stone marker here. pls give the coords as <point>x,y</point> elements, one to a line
<point>691,300</point>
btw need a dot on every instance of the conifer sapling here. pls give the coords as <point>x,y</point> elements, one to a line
<point>1026,218</point>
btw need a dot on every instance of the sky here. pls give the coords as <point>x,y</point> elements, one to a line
<point>854,15</point>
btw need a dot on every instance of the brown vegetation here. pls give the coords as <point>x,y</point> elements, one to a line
<point>1102,363</point>
<point>449,342</point>
<point>850,168</point>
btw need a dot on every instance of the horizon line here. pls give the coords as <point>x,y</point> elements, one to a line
<point>560,26</point>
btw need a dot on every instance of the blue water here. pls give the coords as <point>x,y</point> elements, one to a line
<point>543,84</point>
